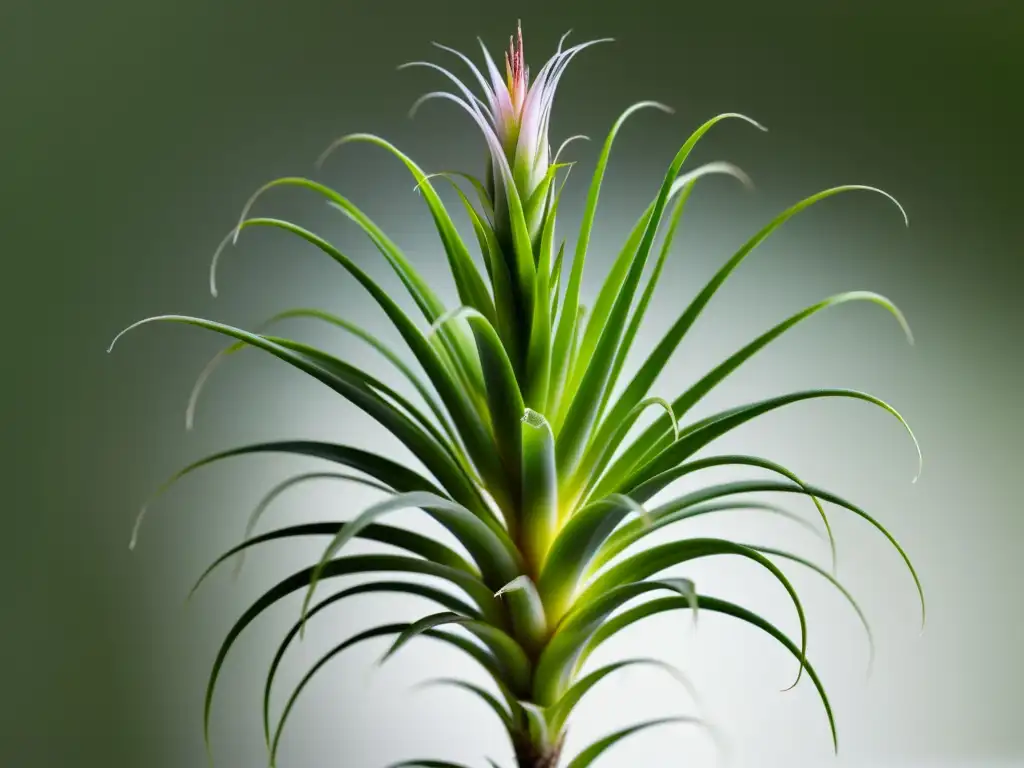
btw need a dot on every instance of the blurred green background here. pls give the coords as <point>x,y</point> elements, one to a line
<point>132,133</point>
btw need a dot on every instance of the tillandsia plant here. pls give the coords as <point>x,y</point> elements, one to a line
<point>531,457</point>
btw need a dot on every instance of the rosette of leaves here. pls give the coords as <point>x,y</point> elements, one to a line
<point>516,408</point>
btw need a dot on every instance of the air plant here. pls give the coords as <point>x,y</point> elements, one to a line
<point>531,457</point>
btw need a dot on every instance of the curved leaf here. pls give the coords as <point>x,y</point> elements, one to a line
<point>575,545</point>
<point>656,361</point>
<point>458,402</point>
<point>350,565</point>
<point>595,750</point>
<point>698,435</point>
<point>495,556</point>
<point>595,368</point>
<point>471,287</point>
<point>486,696</point>
<point>395,475</point>
<point>334,652</point>
<point>715,605</point>
<point>674,510</point>
<point>568,318</point>
<point>506,651</point>
<point>421,590</point>
<point>621,539</point>
<point>563,708</point>
<point>425,448</point>
<point>561,655</point>
<point>415,543</point>
<point>658,558</point>
<point>270,496</point>
<point>357,331</point>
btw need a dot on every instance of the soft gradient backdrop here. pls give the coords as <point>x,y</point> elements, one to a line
<point>132,134</point>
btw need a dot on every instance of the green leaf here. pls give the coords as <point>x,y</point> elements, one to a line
<point>334,652</point>
<point>486,696</point>
<point>345,325</point>
<point>409,541</point>
<point>427,301</point>
<point>656,361</point>
<point>537,725</point>
<point>539,513</point>
<point>337,376</point>
<point>700,434</point>
<point>421,590</point>
<point>526,608</point>
<point>495,555</point>
<point>645,299</point>
<point>661,604</point>
<point>507,324</point>
<point>345,566</point>
<point>675,510</point>
<point>596,369</point>
<point>390,473</point>
<point>656,559</point>
<point>270,496</point>
<point>556,281</point>
<point>582,482</point>
<point>471,287</point>
<point>563,708</point>
<point>458,402</point>
<point>512,661</point>
<point>560,656</point>
<point>595,750</point>
<point>576,543</point>
<point>693,508</point>
<point>835,583</point>
<point>504,399</point>
<point>681,188</point>
<point>621,539</point>
<point>538,353</point>
<point>568,319</point>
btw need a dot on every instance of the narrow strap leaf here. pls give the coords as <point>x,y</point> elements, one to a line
<point>656,362</point>
<point>332,373</point>
<point>495,556</point>
<point>486,696</point>
<point>562,654</point>
<point>539,513</point>
<point>623,538</point>
<point>526,608</point>
<point>595,369</point>
<point>701,434</point>
<point>317,314</point>
<point>506,651</point>
<point>333,653</point>
<point>270,496</point>
<point>459,403</point>
<point>471,287</point>
<point>835,583</point>
<point>598,748</point>
<point>658,558</point>
<point>419,590</point>
<point>675,510</point>
<point>715,605</point>
<point>574,547</point>
<point>568,319</point>
<point>561,711</point>
<point>345,566</point>
<point>409,541</point>
<point>504,399</point>
<point>395,475</point>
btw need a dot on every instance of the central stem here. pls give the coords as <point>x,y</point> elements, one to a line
<point>530,755</point>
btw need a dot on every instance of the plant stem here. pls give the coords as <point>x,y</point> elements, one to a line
<point>530,755</point>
